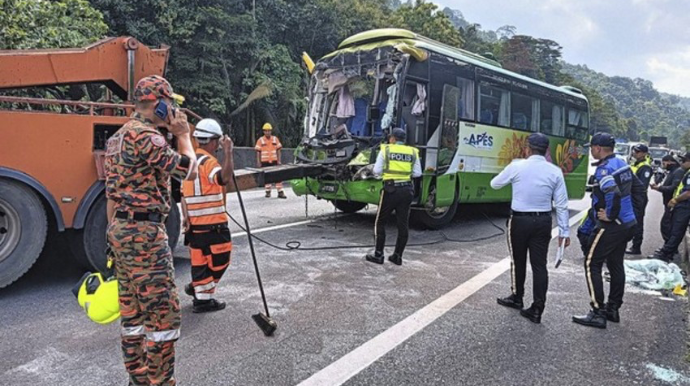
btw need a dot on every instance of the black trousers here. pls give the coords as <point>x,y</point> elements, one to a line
<point>396,198</point>
<point>680,216</point>
<point>639,228</point>
<point>666,221</point>
<point>530,234</point>
<point>607,245</point>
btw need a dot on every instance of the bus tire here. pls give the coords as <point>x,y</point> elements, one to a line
<point>435,220</point>
<point>88,244</point>
<point>348,206</point>
<point>23,230</point>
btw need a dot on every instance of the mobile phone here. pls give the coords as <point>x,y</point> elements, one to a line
<point>162,110</point>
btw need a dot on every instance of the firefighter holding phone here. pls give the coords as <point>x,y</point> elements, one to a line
<point>138,164</point>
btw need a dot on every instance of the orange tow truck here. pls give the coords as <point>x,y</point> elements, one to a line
<point>51,150</point>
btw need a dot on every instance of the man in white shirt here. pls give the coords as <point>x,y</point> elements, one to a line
<point>536,183</point>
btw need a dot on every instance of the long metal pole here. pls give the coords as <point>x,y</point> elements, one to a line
<point>251,245</point>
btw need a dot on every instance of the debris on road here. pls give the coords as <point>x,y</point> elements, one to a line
<point>653,274</point>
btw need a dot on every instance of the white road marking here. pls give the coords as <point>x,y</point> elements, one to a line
<point>272,228</point>
<point>360,358</point>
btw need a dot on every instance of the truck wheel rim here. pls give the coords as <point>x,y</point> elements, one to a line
<point>10,229</point>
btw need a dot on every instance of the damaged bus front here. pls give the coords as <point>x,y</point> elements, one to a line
<point>357,94</point>
<point>455,107</point>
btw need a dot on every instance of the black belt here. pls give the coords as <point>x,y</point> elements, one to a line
<point>530,214</point>
<point>213,227</point>
<point>403,183</point>
<point>140,216</point>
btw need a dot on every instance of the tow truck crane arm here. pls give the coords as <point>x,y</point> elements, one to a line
<point>100,62</point>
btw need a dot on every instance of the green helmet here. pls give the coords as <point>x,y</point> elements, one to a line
<point>98,297</point>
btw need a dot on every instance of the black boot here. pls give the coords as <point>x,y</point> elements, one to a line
<point>633,251</point>
<point>395,259</point>
<point>511,301</point>
<point>533,314</point>
<point>211,305</point>
<point>612,314</point>
<point>660,256</point>
<point>377,257</point>
<point>189,289</point>
<point>595,318</point>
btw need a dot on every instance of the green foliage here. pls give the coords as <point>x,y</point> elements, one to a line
<point>222,51</point>
<point>28,24</point>
<point>636,100</point>
<point>424,18</point>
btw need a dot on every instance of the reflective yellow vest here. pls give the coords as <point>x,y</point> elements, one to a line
<point>680,187</point>
<point>399,161</point>
<point>636,165</point>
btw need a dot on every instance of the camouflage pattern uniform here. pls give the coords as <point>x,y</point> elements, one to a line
<point>138,164</point>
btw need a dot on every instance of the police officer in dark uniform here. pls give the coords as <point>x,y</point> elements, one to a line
<point>613,227</point>
<point>680,214</point>
<point>397,164</point>
<point>642,168</point>
<point>667,188</point>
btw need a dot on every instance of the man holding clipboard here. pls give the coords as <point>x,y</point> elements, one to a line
<point>537,183</point>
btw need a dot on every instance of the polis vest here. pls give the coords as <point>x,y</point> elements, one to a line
<point>399,161</point>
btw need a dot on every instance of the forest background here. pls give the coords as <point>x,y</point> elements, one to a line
<point>222,51</point>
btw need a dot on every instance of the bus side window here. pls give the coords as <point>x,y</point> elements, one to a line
<point>466,99</point>
<point>578,124</point>
<point>552,118</point>
<point>450,113</point>
<point>523,110</point>
<point>494,105</point>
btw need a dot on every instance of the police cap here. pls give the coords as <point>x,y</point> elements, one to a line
<point>685,157</point>
<point>538,141</point>
<point>399,134</point>
<point>640,147</point>
<point>603,139</point>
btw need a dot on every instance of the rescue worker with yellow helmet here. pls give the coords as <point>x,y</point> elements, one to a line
<point>268,154</point>
<point>396,163</point>
<point>205,218</point>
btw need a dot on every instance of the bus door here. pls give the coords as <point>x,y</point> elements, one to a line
<point>413,113</point>
<point>447,147</point>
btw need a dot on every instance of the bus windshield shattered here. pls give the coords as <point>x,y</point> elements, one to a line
<point>352,97</point>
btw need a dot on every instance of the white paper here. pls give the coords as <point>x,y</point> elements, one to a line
<point>559,253</point>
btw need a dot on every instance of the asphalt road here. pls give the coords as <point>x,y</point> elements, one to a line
<point>432,321</point>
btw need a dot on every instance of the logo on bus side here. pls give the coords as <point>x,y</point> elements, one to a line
<point>480,141</point>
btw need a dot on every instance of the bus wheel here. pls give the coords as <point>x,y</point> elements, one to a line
<point>23,229</point>
<point>435,218</point>
<point>88,244</point>
<point>348,206</point>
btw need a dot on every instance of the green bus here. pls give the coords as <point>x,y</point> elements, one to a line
<point>468,117</point>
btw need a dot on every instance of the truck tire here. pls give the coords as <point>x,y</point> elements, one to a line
<point>23,230</point>
<point>348,206</point>
<point>88,244</point>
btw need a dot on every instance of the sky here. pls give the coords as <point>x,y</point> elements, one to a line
<point>647,39</point>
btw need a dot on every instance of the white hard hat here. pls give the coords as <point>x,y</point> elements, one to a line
<point>208,128</point>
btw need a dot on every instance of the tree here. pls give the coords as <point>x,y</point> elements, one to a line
<point>518,55</point>
<point>475,40</point>
<point>425,19</point>
<point>28,24</point>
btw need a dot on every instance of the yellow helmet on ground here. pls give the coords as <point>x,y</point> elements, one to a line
<point>98,297</point>
<point>267,126</point>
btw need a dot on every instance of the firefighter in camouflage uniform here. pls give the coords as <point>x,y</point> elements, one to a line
<point>138,163</point>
